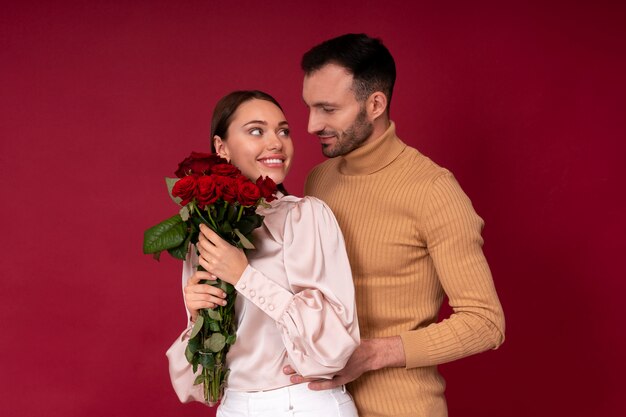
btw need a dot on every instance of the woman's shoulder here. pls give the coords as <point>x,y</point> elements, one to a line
<point>291,212</point>
<point>302,206</point>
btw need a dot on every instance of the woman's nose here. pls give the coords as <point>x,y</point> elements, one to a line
<point>274,142</point>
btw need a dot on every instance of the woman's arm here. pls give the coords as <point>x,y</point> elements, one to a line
<point>317,318</point>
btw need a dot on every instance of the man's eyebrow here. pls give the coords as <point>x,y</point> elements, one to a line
<point>320,104</point>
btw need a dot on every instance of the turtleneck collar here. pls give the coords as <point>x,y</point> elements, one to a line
<point>373,156</point>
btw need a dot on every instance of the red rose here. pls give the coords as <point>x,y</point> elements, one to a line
<point>227,188</point>
<point>226,170</point>
<point>185,188</point>
<point>247,191</point>
<point>208,192</point>
<point>197,164</point>
<point>267,187</point>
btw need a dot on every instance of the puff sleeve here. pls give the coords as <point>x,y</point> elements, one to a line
<point>317,314</point>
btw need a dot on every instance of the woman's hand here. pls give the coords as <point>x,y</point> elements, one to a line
<point>219,257</point>
<point>199,296</point>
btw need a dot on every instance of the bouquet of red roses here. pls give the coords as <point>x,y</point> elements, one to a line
<point>214,192</point>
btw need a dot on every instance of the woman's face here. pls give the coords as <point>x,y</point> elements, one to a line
<point>258,141</point>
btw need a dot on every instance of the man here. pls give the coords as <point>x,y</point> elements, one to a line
<point>411,233</point>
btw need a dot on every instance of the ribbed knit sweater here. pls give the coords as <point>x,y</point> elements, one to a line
<point>412,237</point>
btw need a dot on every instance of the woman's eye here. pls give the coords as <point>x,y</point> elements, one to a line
<point>256,131</point>
<point>284,132</point>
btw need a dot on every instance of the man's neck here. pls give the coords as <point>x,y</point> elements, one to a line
<point>380,125</point>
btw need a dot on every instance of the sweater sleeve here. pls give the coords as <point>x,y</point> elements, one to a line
<point>453,237</point>
<point>317,318</point>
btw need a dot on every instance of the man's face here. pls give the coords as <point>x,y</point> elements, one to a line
<point>335,116</point>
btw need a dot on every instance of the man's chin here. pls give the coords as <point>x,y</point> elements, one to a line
<point>328,151</point>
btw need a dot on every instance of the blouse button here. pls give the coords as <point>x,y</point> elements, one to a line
<point>243,286</point>
<point>271,307</point>
<point>252,293</point>
<point>261,300</point>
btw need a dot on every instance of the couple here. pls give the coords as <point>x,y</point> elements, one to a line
<point>411,237</point>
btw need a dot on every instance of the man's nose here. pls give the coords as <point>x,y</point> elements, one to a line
<point>315,124</point>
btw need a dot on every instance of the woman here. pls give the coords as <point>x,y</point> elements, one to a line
<point>295,303</point>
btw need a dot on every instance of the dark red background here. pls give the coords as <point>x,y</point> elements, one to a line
<point>100,100</point>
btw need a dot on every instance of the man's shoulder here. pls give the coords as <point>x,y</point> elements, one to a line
<point>320,173</point>
<point>326,165</point>
<point>418,165</point>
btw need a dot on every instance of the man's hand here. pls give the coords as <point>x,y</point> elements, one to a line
<point>372,354</point>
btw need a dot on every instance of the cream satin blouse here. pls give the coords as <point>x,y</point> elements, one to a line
<point>295,304</point>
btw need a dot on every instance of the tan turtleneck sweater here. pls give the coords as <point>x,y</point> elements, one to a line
<point>412,235</point>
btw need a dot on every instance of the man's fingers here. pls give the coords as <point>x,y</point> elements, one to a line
<point>297,379</point>
<point>319,384</point>
<point>322,385</point>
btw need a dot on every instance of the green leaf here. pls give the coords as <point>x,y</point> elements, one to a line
<point>232,213</point>
<point>226,227</point>
<point>184,213</point>
<point>170,185</point>
<point>224,376</point>
<point>214,326</point>
<point>215,315</point>
<point>221,210</point>
<point>231,339</point>
<point>194,367</point>
<point>206,360</point>
<point>215,343</point>
<point>194,344</point>
<point>199,379</point>
<point>180,251</point>
<point>248,223</point>
<point>189,354</point>
<point>168,234</point>
<point>197,326</point>
<point>244,241</point>
<point>225,286</point>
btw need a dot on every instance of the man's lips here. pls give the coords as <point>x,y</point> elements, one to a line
<point>326,140</point>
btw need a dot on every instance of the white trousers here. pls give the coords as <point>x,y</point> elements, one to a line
<point>295,400</point>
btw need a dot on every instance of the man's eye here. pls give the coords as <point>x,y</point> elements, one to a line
<point>256,131</point>
<point>328,109</point>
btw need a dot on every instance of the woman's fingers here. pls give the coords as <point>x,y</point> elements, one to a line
<point>208,235</point>
<point>205,263</point>
<point>202,289</point>
<point>198,296</point>
<point>199,276</point>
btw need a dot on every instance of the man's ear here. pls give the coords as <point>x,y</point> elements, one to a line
<point>220,147</point>
<point>376,104</point>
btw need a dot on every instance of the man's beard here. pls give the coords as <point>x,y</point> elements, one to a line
<point>352,138</point>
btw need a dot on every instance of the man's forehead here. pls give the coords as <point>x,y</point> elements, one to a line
<point>327,85</point>
<point>330,71</point>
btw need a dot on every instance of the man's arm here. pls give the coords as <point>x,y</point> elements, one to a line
<point>372,354</point>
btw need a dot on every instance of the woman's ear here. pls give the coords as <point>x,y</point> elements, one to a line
<point>220,147</point>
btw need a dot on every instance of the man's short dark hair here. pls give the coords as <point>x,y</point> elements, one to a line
<point>367,59</point>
